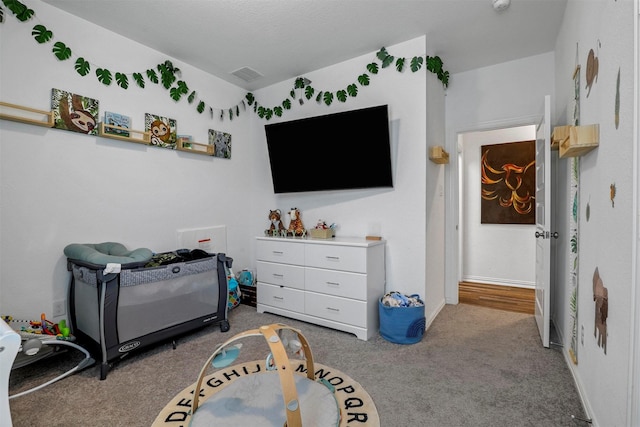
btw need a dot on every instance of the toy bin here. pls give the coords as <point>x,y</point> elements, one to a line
<point>404,322</point>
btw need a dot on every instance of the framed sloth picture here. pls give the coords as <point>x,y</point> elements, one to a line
<point>74,112</point>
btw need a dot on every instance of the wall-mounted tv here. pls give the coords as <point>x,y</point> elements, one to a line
<point>341,151</point>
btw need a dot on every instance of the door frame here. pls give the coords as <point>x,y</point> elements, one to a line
<point>634,384</point>
<point>453,210</point>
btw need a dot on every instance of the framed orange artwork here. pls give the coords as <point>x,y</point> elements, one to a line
<point>508,183</point>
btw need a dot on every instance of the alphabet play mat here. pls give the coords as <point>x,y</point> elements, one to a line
<point>271,392</point>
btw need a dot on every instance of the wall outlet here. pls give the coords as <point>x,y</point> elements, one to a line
<point>59,308</point>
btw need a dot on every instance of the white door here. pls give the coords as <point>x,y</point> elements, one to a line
<point>543,223</point>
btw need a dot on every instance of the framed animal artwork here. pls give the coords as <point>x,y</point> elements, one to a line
<point>221,142</point>
<point>74,112</point>
<point>163,130</point>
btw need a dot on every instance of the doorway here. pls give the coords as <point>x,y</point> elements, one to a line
<point>496,262</point>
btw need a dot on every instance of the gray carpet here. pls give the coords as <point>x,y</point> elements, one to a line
<point>475,366</point>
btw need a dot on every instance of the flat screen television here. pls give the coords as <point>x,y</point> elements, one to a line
<point>341,151</point>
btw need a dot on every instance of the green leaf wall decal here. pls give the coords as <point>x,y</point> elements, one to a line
<point>168,73</point>
<point>328,98</point>
<point>82,67</point>
<point>182,87</point>
<point>41,34</point>
<point>387,61</point>
<point>122,80</point>
<point>175,93</point>
<point>139,79</point>
<point>61,51</point>
<point>372,68</point>
<point>416,63</point>
<point>152,76</point>
<point>22,12</point>
<point>104,76</point>
<point>308,92</point>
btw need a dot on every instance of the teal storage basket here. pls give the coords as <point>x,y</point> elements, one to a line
<point>402,325</point>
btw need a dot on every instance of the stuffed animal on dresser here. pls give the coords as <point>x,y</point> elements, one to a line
<point>276,227</point>
<point>296,227</point>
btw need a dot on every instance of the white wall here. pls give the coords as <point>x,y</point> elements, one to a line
<point>401,213</point>
<point>499,254</point>
<point>605,239</point>
<point>59,187</point>
<point>496,97</point>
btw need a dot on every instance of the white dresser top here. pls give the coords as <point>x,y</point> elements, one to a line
<point>335,241</point>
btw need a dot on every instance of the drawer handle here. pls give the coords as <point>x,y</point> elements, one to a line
<point>278,275</point>
<point>333,284</point>
<point>333,258</point>
<point>337,310</point>
<point>278,298</point>
<point>278,252</point>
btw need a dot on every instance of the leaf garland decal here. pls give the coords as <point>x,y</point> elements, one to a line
<point>41,34</point>
<point>152,76</point>
<point>308,92</point>
<point>104,76</point>
<point>82,67</point>
<point>137,77</point>
<point>122,80</point>
<point>416,63</point>
<point>167,74</point>
<point>61,51</point>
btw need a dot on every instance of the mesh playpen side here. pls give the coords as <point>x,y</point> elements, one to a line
<point>114,314</point>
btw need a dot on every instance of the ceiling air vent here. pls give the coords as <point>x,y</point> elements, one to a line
<point>247,74</point>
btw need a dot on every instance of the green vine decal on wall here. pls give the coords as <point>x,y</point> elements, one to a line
<point>169,76</point>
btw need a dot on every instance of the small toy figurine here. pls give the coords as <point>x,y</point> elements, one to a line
<point>296,227</point>
<point>276,227</point>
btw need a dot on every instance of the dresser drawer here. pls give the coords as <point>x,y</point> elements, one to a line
<point>277,296</point>
<point>339,283</point>
<point>280,274</point>
<point>344,258</point>
<point>336,309</point>
<point>279,251</point>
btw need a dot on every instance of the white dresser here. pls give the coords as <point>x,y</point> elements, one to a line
<point>335,283</point>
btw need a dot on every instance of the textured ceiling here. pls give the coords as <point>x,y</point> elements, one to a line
<point>284,39</point>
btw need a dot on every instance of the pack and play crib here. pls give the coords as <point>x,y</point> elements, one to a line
<point>121,301</point>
